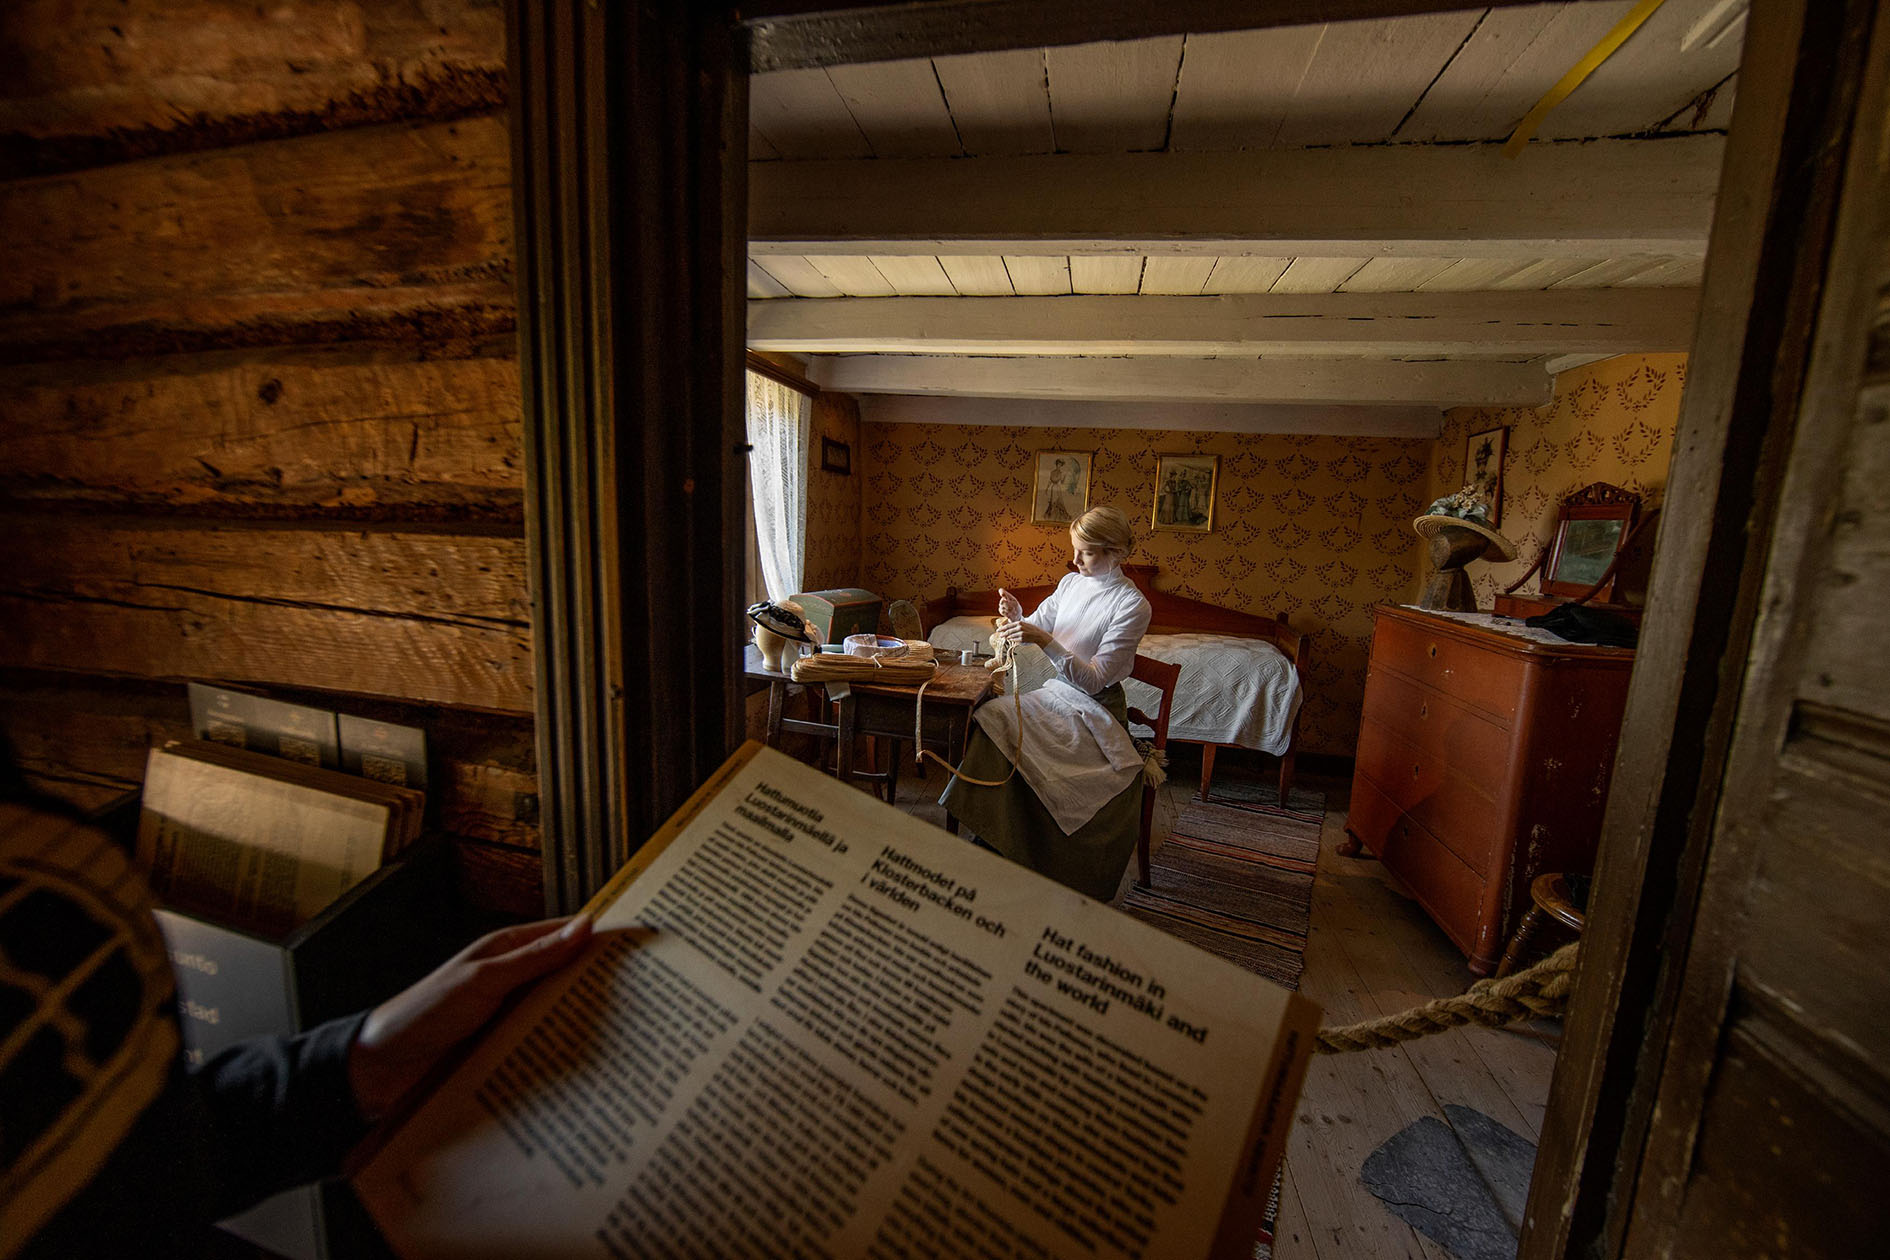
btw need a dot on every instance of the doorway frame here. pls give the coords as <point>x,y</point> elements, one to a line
<point>588,327</point>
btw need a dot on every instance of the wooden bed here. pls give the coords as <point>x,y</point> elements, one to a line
<point>1169,614</point>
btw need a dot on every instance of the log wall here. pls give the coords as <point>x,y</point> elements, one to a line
<point>259,410</point>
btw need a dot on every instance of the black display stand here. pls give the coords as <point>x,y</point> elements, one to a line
<point>380,936</point>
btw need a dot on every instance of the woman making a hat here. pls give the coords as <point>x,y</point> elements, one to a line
<point>1089,628</point>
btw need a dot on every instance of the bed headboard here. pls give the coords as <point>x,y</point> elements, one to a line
<point>1168,613</point>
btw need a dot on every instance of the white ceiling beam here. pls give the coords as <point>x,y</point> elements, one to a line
<point>1363,382</point>
<point>1039,413</point>
<point>1601,199</point>
<point>1557,322</point>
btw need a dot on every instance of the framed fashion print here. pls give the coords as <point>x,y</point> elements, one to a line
<point>1184,492</point>
<point>1483,466</point>
<point>1060,492</point>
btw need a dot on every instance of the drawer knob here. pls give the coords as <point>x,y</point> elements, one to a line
<point>1432,650</point>
<point>1424,710</point>
<point>1414,771</point>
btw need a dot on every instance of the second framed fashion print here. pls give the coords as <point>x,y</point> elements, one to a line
<point>1184,492</point>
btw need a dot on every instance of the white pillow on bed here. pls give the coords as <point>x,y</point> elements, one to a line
<point>962,634</point>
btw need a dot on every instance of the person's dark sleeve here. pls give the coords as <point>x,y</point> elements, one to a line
<point>281,1111</point>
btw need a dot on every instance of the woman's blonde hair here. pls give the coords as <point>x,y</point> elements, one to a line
<point>1105,527</point>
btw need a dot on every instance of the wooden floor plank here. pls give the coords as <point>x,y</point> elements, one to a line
<point>1449,1065</point>
<point>1351,1104</point>
<point>1520,1058</point>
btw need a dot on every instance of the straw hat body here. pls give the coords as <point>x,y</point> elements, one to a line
<point>1469,509</point>
<point>1428,525</point>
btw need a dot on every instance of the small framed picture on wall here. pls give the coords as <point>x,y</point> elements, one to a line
<point>1184,492</point>
<point>1060,492</point>
<point>1483,465</point>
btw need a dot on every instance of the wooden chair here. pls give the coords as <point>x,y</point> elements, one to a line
<point>1162,677</point>
<point>1554,900</point>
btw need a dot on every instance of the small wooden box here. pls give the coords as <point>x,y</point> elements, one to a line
<point>381,935</point>
<point>839,613</point>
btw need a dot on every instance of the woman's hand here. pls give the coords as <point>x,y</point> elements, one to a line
<point>1008,607</point>
<point>1016,632</point>
<point>405,1036</point>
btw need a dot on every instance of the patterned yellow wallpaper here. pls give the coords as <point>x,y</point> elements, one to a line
<point>1610,421</point>
<point>1318,527</point>
<point>833,499</point>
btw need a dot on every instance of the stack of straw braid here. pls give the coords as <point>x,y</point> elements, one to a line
<point>917,665</point>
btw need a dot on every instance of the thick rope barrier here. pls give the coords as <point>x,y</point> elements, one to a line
<point>1528,994</point>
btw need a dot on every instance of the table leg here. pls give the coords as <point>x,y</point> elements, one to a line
<point>777,702</point>
<point>849,725</point>
<point>955,751</point>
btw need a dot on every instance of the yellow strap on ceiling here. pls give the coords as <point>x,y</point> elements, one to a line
<point>1580,71</point>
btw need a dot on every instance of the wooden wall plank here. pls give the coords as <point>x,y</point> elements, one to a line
<point>1236,86</point>
<point>1105,273</point>
<point>86,738</point>
<point>1175,273</point>
<point>1317,275</point>
<point>1601,200</point>
<point>1394,275</point>
<point>797,275</point>
<point>854,275</point>
<point>92,81</point>
<point>430,618</point>
<point>999,101</point>
<point>1371,323</point>
<point>1467,275</point>
<point>1113,97</point>
<point>1504,68</point>
<point>382,214</point>
<point>1857,558</point>
<point>1366,76</point>
<point>357,431</point>
<point>801,114</point>
<point>899,106</point>
<point>1324,380</point>
<point>1251,274</point>
<point>1670,60</point>
<point>763,285</point>
<point>977,275</point>
<point>914,274</point>
<point>500,880</point>
<point>1040,275</point>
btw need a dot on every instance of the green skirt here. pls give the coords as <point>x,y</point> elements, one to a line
<point>1011,820</point>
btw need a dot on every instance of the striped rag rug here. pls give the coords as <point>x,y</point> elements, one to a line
<point>1235,877</point>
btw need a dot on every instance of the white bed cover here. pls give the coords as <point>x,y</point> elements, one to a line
<point>1232,690</point>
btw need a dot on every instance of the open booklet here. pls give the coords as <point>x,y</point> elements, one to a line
<point>812,1025</point>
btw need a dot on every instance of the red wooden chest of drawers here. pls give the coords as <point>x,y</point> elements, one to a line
<point>1483,761</point>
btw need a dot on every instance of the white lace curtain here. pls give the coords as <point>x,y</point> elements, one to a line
<point>779,419</point>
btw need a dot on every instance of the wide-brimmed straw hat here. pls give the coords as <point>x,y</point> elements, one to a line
<point>1469,509</point>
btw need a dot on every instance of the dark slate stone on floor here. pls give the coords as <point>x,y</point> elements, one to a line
<point>1462,1184</point>
<point>1504,1157</point>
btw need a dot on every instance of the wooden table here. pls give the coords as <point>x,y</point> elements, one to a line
<point>885,711</point>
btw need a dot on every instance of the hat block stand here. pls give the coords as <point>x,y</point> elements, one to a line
<point>1448,589</point>
<point>774,646</point>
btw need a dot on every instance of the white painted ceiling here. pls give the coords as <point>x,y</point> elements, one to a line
<point>889,144</point>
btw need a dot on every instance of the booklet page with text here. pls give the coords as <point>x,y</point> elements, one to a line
<point>812,1025</point>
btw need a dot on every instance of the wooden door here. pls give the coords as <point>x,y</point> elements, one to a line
<point>1725,1089</point>
<point>1772,1129</point>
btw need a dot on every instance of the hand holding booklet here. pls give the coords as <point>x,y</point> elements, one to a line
<point>811,1025</point>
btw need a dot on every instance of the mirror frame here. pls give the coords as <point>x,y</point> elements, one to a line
<point>1597,501</point>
